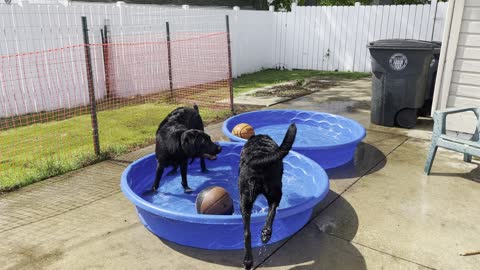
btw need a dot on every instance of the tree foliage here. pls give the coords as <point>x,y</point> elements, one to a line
<point>285,4</point>
<point>282,4</point>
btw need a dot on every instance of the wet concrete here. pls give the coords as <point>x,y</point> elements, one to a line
<point>382,212</point>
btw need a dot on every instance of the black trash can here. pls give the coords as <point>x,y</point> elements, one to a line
<point>400,77</point>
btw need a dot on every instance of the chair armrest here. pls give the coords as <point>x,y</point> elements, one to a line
<point>440,119</point>
<point>440,116</point>
<point>455,110</point>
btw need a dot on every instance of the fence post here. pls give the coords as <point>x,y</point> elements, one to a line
<point>230,82</point>
<point>91,90</point>
<point>169,52</point>
<point>357,8</point>
<point>106,59</point>
<point>434,2</point>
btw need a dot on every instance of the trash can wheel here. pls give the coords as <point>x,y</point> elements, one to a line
<point>406,118</point>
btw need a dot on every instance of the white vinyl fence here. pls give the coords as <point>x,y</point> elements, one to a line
<point>38,27</point>
<point>318,38</point>
<point>335,38</point>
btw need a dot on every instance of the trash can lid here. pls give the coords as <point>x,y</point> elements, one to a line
<point>438,44</point>
<point>402,44</point>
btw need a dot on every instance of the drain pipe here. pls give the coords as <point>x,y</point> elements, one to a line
<point>451,33</point>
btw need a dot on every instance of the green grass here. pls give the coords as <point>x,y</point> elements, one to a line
<point>32,153</point>
<point>272,76</point>
<point>29,153</point>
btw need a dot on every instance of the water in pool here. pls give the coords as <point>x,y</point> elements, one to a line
<point>323,134</point>
<point>171,197</point>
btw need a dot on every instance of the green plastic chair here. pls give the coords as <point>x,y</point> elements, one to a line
<point>469,148</point>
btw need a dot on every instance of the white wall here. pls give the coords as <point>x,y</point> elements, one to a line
<point>252,42</point>
<point>458,84</point>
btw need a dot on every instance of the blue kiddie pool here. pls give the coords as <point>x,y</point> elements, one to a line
<point>171,214</point>
<point>328,139</point>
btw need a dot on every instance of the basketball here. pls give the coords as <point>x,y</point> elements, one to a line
<point>243,130</point>
<point>214,200</point>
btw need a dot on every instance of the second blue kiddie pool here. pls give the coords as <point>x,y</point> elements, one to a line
<point>328,139</point>
<point>171,214</point>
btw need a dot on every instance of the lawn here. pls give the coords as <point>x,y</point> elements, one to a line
<point>35,152</point>
<point>32,153</point>
<point>272,76</point>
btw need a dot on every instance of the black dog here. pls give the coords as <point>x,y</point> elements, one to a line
<point>180,136</point>
<point>261,171</point>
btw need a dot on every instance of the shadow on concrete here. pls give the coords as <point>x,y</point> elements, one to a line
<point>367,160</point>
<point>317,245</point>
<point>314,247</point>
<point>424,123</point>
<point>473,175</point>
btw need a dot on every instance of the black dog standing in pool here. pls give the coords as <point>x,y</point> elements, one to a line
<point>180,137</point>
<point>261,171</point>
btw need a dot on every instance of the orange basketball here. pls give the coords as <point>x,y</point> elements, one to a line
<point>243,130</point>
<point>214,200</point>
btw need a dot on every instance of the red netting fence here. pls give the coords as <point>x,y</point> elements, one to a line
<point>45,97</point>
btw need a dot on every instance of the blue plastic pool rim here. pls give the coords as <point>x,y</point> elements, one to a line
<point>232,137</point>
<point>220,219</point>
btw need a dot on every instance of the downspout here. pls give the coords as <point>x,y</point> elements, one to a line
<point>448,54</point>
<point>441,65</point>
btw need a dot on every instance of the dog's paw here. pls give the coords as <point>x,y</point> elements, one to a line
<point>154,188</point>
<point>187,190</point>
<point>205,170</point>
<point>266,235</point>
<point>247,264</point>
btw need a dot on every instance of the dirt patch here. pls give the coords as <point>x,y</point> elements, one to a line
<point>295,89</point>
<point>318,84</point>
<point>283,91</point>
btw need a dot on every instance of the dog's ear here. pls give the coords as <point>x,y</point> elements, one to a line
<point>191,141</point>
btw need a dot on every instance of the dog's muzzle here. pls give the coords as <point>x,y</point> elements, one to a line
<point>213,157</point>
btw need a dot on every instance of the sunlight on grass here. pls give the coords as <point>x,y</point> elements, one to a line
<point>55,148</point>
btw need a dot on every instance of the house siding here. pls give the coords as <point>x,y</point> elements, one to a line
<point>464,90</point>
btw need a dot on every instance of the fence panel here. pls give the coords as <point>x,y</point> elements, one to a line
<point>308,37</point>
<point>45,125</point>
<point>252,34</point>
<point>335,37</point>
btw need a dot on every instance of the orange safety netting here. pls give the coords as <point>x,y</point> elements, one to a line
<point>45,108</point>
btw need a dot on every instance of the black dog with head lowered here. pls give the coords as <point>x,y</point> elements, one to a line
<point>180,137</point>
<point>261,171</point>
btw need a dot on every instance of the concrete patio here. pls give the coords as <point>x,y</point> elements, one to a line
<point>382,212</point>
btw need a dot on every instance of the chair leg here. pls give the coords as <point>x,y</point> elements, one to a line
<point>467,158</point>
<point>430,158</point>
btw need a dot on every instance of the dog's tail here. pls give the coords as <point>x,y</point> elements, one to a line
<point>282,151</point>
<point>195,107</point>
